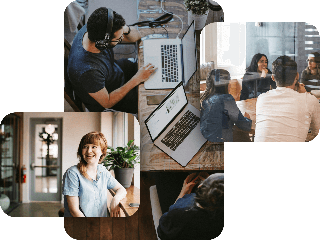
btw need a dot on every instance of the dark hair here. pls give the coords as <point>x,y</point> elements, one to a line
<point>284,70</point>
<point>210,85</point>
<point>211,197</point>
<point>98,21</point>
<point>254,62</point>
<point>316,56</point>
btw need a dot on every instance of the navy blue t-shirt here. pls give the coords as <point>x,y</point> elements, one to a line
<point>91,72</point>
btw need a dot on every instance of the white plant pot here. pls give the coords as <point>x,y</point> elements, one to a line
<point>199,20</point>
<point>4,202</point>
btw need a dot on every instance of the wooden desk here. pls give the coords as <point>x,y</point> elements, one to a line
<point>210,156</point>
<point>249,106</point>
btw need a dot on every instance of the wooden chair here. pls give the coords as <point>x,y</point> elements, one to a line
<point>155,207</point>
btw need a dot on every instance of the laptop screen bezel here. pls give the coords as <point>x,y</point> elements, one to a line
<point>185,81</point>
<point>161,105</point>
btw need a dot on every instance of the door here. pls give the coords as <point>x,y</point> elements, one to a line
<point>45,159</point>
<point>10,128</point>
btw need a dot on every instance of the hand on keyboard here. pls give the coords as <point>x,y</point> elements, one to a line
<point>145,72</point>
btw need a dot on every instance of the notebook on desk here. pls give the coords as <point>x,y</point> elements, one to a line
<point>174,127</point>
<point>176,60</point>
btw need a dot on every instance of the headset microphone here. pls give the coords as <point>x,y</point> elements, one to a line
<point>105,43</point>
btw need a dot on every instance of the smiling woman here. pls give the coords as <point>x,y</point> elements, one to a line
<point>92,149</point>
<point>85,185</point>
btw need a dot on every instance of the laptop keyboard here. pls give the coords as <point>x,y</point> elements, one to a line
<point>180,130</point>
<point>169,60</point>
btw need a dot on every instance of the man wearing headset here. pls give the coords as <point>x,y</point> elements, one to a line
<point>98,79</point>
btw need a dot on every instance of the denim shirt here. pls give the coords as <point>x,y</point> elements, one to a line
<point>218,114</point>
<point>92,194</point>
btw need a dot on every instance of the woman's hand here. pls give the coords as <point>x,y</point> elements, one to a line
<point>264,72</point>
<point>120,194</point>
<point>115,208</point>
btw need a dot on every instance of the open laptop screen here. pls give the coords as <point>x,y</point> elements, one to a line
<point>189,53</point>
<point>165,113</point>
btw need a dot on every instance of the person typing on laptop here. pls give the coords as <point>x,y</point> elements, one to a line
<point>286,113</point>
<point>100,81</point>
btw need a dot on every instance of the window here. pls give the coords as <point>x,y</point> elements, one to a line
<point>225,45</point>
<point>312,39</point>
<point>231,48</point>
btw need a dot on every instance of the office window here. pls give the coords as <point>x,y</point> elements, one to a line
<point>312,39</point>
<point>225,45</point>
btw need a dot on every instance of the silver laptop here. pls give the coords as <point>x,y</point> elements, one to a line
<point>174,127</point>
<point>176,60</point>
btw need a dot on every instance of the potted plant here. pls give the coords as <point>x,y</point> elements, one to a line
<point>198,12</point>
<point>122,160</point>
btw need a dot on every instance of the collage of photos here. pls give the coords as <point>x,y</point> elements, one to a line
<point>152,92</point>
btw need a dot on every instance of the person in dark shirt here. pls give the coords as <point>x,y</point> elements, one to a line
<point>257,78</point>
<point>198,215</point>
<point>97,78</point>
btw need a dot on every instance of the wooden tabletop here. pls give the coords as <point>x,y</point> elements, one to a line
<point>210,156</point>
<point>249,106</point>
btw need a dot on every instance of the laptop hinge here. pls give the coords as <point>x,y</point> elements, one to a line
<point>182,65</point>
<point>155,99</point>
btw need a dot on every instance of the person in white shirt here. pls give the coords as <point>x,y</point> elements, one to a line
<point>286,114</point>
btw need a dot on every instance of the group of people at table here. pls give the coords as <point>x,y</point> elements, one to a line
<point>286,108</point>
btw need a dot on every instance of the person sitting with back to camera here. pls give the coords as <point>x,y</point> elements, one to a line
<point>100,81</point>
<point>196,214</point>
<point>286,113</point>
<point>258,69</point>
<point>219,111</point>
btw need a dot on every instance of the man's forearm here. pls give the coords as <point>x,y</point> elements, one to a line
<point>118,94</point>
<point>133,36</point>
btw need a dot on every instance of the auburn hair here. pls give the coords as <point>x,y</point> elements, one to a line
<point>96,138</point>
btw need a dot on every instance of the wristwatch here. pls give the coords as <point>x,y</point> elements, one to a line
<point>128,31</point>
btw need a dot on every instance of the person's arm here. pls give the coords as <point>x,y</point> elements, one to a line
<point>315,118</point>
<point>188,185</point>
<point>133,34</point>
<point>108,100</point>
<point>120,194</point>
<point>73,205</point>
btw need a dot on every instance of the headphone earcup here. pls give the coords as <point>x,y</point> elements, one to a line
<point>101,45</point>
